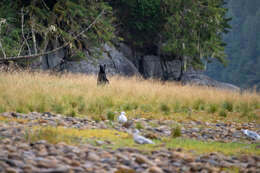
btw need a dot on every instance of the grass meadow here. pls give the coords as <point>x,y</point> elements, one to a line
<point>79,95</point>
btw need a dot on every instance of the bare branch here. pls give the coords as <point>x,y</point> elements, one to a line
<point>1,46</point>
<point>26,42</point>
<point>3,51</point>
<point>34,39</point>
<point>54,50</point>
<point>20,50</point>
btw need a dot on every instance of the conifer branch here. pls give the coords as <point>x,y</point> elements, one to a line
<point>56,49</point>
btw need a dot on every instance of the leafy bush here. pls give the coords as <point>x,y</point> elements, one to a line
<point>176,132</point>
<point>165,108</point>
<point>55,20</point>
<point>228,105</point>
<point>212,108</point>
<point>223,113</point>
<point>198,105</point>
<point>153,25</point>
<point>111,116</point>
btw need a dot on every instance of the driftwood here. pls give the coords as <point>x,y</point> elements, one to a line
<point>25,57</point>
<point>102,77</point>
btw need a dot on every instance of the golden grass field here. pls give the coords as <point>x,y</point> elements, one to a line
<point>79,95</point>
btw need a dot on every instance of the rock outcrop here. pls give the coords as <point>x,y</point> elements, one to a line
<point>116,63</point>
<point>203,80</point>
<point>122,60</point>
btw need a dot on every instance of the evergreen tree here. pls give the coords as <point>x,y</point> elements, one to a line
<point>243,46</point>
<point>177,29</point>
<point>48,24</point>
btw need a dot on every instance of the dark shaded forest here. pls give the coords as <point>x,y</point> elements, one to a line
<point>187,30</point>
<point>243,46</point>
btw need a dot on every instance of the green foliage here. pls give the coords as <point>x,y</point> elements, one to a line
<point>176,28</point>
<point>141,20</point>
<point>176,132</point>
<point>173,28</point>
<point>223,113</point>
<point>228,105</point>
<point>165,108</point>
<point>243,46</point>
<point>54,21</point>
<point>198,105</point>
<point>212,108</point>
<point>111,116</point>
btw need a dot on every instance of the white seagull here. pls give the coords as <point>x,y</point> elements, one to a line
<point>122,118</point>
<point>251,134</point>
<point>140,139</point>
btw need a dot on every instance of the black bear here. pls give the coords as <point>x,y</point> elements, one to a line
<point>102,78</point>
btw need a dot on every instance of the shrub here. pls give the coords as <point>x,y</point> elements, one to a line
<point>176,132</point>
<point>111,116</point>
<point>223,113</point>
<point>72,113</point>
<point>212,108</point>
<point>198,105</point>
<point>164,108</point>
<point>228,105</point>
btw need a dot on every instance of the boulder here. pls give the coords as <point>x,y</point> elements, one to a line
<point>116,62</point>
<point>122,60</point>
<point>152,66</point>
<point>157,67</point>
<point>198,78</point>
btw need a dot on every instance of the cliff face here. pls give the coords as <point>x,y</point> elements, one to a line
<point>122,60</point>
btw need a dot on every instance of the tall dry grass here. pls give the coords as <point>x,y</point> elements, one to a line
<point>76,95</point>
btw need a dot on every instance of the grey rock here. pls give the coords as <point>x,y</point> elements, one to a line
<point>213,162</point>
<point>122,60</point>
<point>156,67</point>
<point>116,63</point>
<point>93,157</point>
<point>197,78</point>
<point>53,170</point>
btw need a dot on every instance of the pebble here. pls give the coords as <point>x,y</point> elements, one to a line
<point>11,170</point>
<point>142,159</point>
<point>155,169</point>
<point>125,169</point>
<point>93,157</point>
<point>19,155</point>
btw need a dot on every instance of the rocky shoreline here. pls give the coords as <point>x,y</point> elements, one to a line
<point>20,155</point>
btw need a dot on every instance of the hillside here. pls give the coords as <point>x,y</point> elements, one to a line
<point>54,118</point>
<point>189,32</point>
<point>242,49</point>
